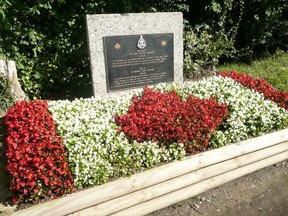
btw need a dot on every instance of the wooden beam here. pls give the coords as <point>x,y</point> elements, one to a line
<point>190,191</point>
<point>180,182</point>
<point>99,194</point>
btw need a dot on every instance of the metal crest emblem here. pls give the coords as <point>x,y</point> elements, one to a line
<point>117,46</point>
<point>163,43</point>
<point>141,44</point>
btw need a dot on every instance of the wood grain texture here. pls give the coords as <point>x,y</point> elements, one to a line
<point>180,182</point>
<point>112,190</point>
<point>193,190</point>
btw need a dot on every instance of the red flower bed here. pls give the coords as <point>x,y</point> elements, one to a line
<point>167,118</point>
<point>261,86</point>
<point>36,156</point>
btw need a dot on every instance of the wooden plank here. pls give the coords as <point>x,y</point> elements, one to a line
<point>98,194</point>
<point>180,182</point>
<point>193,190</point>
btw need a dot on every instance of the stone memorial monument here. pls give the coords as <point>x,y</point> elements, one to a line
<point>134,50</point>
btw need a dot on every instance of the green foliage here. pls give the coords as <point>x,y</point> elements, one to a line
<point>6,98</point>
<point>206,43</point>
<point>132,6</point>
<point>40,38</point>
<point>263,28</point>
<point>47,38</point>
<point>203,49</point>
<point>239,30</point>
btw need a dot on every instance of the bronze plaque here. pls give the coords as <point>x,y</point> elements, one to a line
<point>138,60</point>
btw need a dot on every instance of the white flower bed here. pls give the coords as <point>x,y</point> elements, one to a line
<point>97,152</point>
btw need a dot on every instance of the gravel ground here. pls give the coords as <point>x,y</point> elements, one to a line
<point>262,193</point>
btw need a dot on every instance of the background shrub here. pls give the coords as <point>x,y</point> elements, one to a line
<point>257,28</point>
<point>203,50</point>
<point>48,41</point>
<point>47,38</point>
<point>263,29</point>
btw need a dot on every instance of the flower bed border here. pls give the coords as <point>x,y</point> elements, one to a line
<point>162,186</point>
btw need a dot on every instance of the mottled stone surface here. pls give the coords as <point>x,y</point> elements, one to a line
<point>101,25</point>
<point>8,68</point>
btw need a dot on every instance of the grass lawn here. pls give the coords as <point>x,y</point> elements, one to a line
<point>274,69</point>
